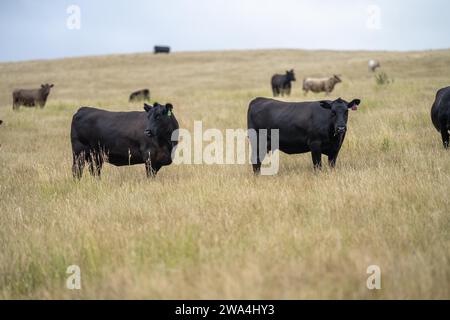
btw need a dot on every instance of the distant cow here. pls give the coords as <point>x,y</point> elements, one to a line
<point>1,121</point>
<point>161,49</point>
<point>373,65</point>
<point>281,83</point>
<point>321,84</point>
<point>29,98</point>
<point>123,138</point>
<point>440,114</point>
<point>316,127</point>
<point>141,95</point>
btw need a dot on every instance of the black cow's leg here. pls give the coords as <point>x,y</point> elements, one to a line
<point>95,165</point>
<point>151,170</point>
<point>257,167</point>
<point>276,91</point>
<point>332,160</point>
<point>445,138</point>
<point>78,165</point>
<point>316,153</point>
<point>288,90</point>
<point>256,161</point>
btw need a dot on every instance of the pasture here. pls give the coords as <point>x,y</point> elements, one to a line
<point>218,232</point>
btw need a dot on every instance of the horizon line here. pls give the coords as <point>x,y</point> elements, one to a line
<point>82,56</point>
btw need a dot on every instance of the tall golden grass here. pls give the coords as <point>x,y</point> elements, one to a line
<point>199,231</point>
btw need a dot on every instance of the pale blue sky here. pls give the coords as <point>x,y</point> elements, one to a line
<point>32,29</point>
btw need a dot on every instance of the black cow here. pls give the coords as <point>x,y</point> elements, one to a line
<point>141,95</point>
<point>1,121</point>
<point>161,49</point>
<point>123,138</point>
<point>30,98</point>
<point>316,127</point>
<point>281,83</point>
<point>440,114</point>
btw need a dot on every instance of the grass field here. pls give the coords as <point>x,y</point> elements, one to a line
<point>207,232</point>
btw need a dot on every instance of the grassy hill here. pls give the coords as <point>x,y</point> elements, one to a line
<point>199,231</point>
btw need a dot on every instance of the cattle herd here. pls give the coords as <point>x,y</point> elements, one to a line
<point>128,138</point>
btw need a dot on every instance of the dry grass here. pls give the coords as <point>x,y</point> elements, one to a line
<point>217,231</point>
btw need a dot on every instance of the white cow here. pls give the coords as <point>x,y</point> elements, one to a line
<point>373,65</point>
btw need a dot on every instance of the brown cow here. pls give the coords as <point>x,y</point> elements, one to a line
<point>320,84</point>
<point>31,97</point>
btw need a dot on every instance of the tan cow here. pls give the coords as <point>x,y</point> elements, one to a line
<point>320,84</point>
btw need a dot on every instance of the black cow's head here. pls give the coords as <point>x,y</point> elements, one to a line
<point>290,75</point>
<point>46,88</point>
<point>339,113</point>
<point>161,120</point>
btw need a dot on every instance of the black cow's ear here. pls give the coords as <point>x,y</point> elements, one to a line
<point>169,107</point>
<point>147,107</point>
<point>52,85</point>
<point>325,104</point>
<point>354,104</point>
<point>42,85</point>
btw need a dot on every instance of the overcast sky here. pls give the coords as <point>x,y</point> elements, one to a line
<point>32,29</point>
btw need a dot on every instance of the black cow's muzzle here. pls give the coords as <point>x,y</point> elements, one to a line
<point>148,133</point>
<point>340,130</point>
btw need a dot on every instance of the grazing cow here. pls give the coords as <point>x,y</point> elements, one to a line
<point>440,114</point>
<point>123,138</point>
<point>141,95</point>
<point>321,84</point>
<point>30,98</point>
<point>373,65</point>
<point>161,49</point>
<point>316,127</point>
<point>281,83</point>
